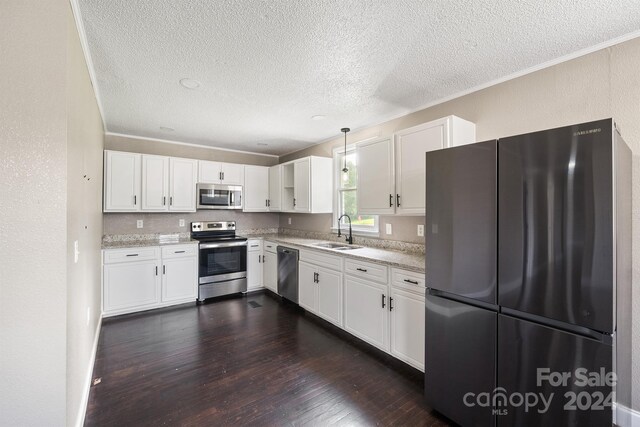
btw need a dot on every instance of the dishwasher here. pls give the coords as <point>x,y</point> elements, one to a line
<point>288,273</point>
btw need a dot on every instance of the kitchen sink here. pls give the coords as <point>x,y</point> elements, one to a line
<point>336,246</point>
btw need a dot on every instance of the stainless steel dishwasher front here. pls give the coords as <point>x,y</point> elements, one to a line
<point>288,273</point>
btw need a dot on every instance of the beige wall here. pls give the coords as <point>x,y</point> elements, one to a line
<point>146,146</point>
<point>125,223</point>
<point>84,222</point>
<point>33,230</point>
<point>603,84</point>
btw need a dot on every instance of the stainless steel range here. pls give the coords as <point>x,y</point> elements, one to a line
<point>223,259</point>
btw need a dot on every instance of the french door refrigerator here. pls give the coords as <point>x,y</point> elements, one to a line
<point>528,274</point>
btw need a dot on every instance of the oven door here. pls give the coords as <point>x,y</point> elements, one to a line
<point>214,196</point>
<point>221,262</point>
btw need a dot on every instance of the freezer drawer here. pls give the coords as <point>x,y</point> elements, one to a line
<point>556,224</point>
<point>461,220</point>
<point>460,358</point>
<point>524,347</point>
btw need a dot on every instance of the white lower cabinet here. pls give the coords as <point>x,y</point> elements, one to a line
<point>407,327</point>
<point>254,265</point>
<point>270,271</point>
<point>320,287</point>
<point>366,312</point>
<point>136,279</point>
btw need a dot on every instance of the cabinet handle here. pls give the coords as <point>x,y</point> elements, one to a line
<point>268,202</point>
<point>390,303</point>
<point>164,269</point>
<point>135,200</point>
<point>220,176</point>
<point>254,246</point>
<point>413,282</point>
<point>259,256</point>
<point>364,270</point>
<point>398,200</point>
<point>171,201</point>
<point>164,200</point>
<point>156,270</point>
<point>384,298</point>
<point>132,254</point>
<point>223,176</point>
<point>179,252</point>
<point>294,202</point>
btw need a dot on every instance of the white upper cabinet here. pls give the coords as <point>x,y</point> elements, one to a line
<point>302,185</point>
<point>256,189</point>
<point>410,146</point>
<point>220,173</point>
<point>121,182</point>
<point>376,180</point>
<point>182,184</point>
<point>155,183</point>
<point>307,185</point>
<point>275,188</point>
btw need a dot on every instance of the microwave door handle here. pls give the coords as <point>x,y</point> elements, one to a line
<point>230,198</point>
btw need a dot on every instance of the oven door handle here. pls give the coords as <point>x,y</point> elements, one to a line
<point>221,245</point>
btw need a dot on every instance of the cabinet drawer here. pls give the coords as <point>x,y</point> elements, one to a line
<point>409,280</point>
<point>323,260</point>
<point>254,245</point>
<point>375,272</point>
<point>131,254</point>
<point>178,251</point>
<point>270,247</point>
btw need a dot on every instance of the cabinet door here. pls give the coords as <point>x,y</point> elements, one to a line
<point>131,285</point>
<point>182,184</point>
<point>407,327</point>
<point>270,271</point>
<point>232,173</point>
<point>209,172</point>
<point>411,145</point>
<point>366,312</point>
<point>275,188</point>
<point>179,279</point>
<point>254,270</point>
<point>256,189</point>
<point>155,183</point>
<point>307,287</point>
<point>121,182</point>
<point>330,295</point>
<point>301,185</point>
<point>376,180</point>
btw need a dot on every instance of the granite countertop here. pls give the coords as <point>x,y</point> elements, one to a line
<point>406,260</point>
<point>139,243</point>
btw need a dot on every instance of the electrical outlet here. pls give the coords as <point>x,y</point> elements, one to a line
<point>388,228</point>
<point>289,220</point>
<point>139,223</point>
<point>420,230</point>
<point>181,222</point>
<point>76,251</point>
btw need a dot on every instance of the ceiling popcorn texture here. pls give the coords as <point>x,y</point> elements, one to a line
<point>266,67</point>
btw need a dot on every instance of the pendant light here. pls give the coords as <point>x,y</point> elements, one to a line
<point>345,130</point>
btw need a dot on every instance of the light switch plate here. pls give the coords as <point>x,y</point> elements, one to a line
<point>420,230</point>
<point>181,222</point>
<point>388,228</point>
<point>139,223</point>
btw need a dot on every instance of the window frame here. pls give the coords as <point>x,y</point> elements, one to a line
<point>373,231</point>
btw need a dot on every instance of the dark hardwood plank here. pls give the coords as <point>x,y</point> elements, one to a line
<point>233,363</point>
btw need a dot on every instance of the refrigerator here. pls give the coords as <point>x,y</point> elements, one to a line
<point>528,269</point>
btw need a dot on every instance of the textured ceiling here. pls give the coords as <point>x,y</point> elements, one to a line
<point>266,67</point>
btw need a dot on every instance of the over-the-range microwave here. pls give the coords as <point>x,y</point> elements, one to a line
<point>219,196</point>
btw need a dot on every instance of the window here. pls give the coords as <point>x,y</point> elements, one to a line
<point>346,194</point>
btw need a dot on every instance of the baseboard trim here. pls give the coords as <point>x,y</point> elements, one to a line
<point>625,417</point>
<point>87,384</point>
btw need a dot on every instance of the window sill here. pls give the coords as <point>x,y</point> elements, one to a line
<point>360,233</point>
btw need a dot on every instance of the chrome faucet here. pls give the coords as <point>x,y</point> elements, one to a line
<point>350,238</point>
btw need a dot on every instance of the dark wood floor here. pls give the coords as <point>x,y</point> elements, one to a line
<point>246,361</point>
